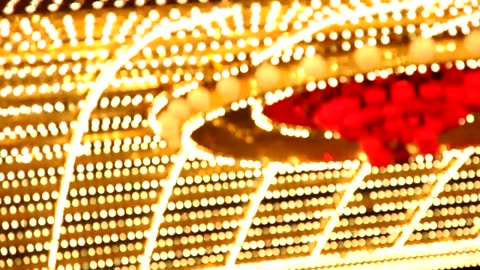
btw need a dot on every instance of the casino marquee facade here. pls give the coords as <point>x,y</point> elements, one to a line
<point>288,134</point>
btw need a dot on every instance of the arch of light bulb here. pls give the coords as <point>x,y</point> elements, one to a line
<point>92,98</point>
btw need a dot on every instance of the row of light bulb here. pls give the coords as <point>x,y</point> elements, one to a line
<point>52,173</point>
<point>147,219</point>
<point>212,43</point>
<point>455,221</point>
<point>90,167</point>
<point>52,128</point>
<point>8,73</point>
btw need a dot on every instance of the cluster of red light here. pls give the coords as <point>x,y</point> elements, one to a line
<point>386,115</point>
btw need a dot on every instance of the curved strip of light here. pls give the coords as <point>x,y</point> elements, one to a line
<point>265,123</point>
<point>161,101</point>
<point>365,258</point>
<point>442,255</point>
<point>440,28</point>
<point>92,98</point>
<point>437,188</point>
<point>268,176</point>
<point>160,207</point>
<point>322,239</point>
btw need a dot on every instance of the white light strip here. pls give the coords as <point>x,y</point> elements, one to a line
<point>422,256</point>
<point>260,119</point>
<point>268,176</point>
<point>336,19</point>
<point>160,207</point>
<point>159,102</point>
<point>322,238</point>
<point>263,122</point>
<point>426,203</point>
<point>476,226</point>
<point>185,89</point>
<point>102,82</point>
<point>437,29</point>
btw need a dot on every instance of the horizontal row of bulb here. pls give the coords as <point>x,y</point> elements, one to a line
<point>436,201</point>
<point>343,34</point>
<point>241,55</point>
<point>413,238</point>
